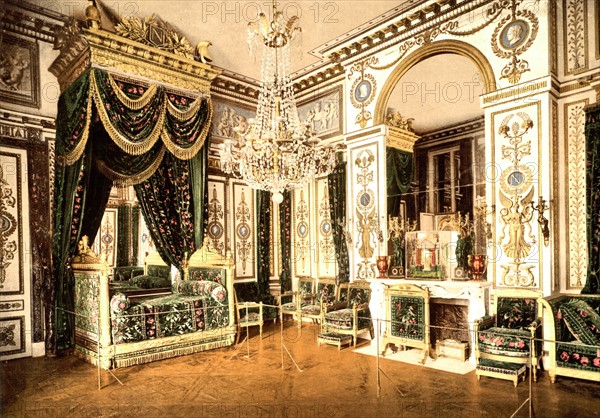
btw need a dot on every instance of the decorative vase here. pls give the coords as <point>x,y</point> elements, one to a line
<point>478,264</point>
<point>382,265</point>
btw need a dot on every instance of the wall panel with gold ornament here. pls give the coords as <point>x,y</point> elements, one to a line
<point>366,200</point>
<point>15,248</point>
<point>574,190</point>
<point>243,232</point>
<point>216,231</point>
<point>517,172</point>
<point>106,237</point>
<point>325,249</point>
<point>302,242</point>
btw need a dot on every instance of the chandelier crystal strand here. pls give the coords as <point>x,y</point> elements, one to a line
<point>276,152</point>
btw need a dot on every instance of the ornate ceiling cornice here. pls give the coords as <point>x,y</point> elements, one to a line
<point>29,20</point>
<point>99,48</point>
<point>409,23</point>
<point>232,85</point>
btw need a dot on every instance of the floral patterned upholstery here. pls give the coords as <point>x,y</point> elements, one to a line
<point>326,294</point>
<point>350,314</point>
<point>194,305</point>
<point>509,336</point>
<point>574,349</point>
<point>299,299</point>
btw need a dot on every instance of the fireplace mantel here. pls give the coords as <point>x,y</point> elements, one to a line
<point>473,294</point>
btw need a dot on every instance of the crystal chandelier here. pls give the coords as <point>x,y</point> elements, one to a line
<point>276,152</point>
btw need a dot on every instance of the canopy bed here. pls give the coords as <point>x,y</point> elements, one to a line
<point>131,113</point>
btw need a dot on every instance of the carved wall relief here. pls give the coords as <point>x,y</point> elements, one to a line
<point>326,260</point>
<point>516,237</point>
<point>302,245</point>
<point>216,227</point>
<point>366,225</point>
<point>575,35</point>
<point>574,121</point>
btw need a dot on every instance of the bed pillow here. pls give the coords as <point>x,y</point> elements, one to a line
<point>145,281</point>
<point>119,303</point>
<point>582,320</point>
<point>205,288</point>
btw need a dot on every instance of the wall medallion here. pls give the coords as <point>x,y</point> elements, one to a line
<point>363,90</point>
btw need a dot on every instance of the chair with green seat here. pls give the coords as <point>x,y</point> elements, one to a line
<point>506,341</point>
<point>291,303</point>
<point>350,315</point>
<point>325,295</point>
<point>248,314</point>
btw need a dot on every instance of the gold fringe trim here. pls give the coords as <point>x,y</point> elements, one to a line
<point>121,180</point>
<point>185,114</point>
<point>169,353</point>
<point>77,152</point>
<point>133,104</point>
<point>187,153</point>
<point>122,142</point>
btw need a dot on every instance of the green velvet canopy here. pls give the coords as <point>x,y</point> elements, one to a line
<point>120,132</point>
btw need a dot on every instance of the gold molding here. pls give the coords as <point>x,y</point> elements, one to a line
<point>99,48</point>
<point>435,48</point>
<point>531,89</point>
<point>555,198</point>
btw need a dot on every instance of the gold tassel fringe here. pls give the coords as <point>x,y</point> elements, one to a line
<point>133,104</point>
<point>76,153</point>
<point>187,153</point>
<point>121,180</point>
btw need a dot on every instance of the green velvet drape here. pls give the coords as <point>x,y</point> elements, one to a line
<point>285,240</point>
<point>399,175</point>
<point>592,140</point>
<point>337,210</point>
<point>110,131</point>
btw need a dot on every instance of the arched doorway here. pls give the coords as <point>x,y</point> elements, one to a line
<point>438,89</point>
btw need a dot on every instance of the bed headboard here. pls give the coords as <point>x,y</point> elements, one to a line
<point>155,266</point>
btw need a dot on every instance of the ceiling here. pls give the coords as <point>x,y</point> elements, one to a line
<point>225,23</point>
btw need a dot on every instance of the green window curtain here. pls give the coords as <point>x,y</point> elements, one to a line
<point>337,211</point>
<point>592,141</point>
<point>285,239</point>
<point>399,176</point>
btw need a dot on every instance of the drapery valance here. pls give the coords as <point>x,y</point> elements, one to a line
<point>134,116</point>
<point>118,132</point>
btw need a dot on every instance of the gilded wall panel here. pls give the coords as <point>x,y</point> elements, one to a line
<point>574,123</point>
<point>146,245</point>
<point>326,261</point>
<point>365,219</point>
<point>302,243</point>
<point>216,231</point>
<point>517,141</point>
<point>243,219</point>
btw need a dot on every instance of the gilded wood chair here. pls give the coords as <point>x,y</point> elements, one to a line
<point>291,303</point>
<point>505,343</point>
<point>350,315</point>
<point>248,314</point>
<point>326,294</point>
<point>407,318</point>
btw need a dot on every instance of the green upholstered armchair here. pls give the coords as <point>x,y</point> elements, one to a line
<point>350,315</point>
<point>505,343</point>
<point>326,294</point>
<point>291,303</point>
